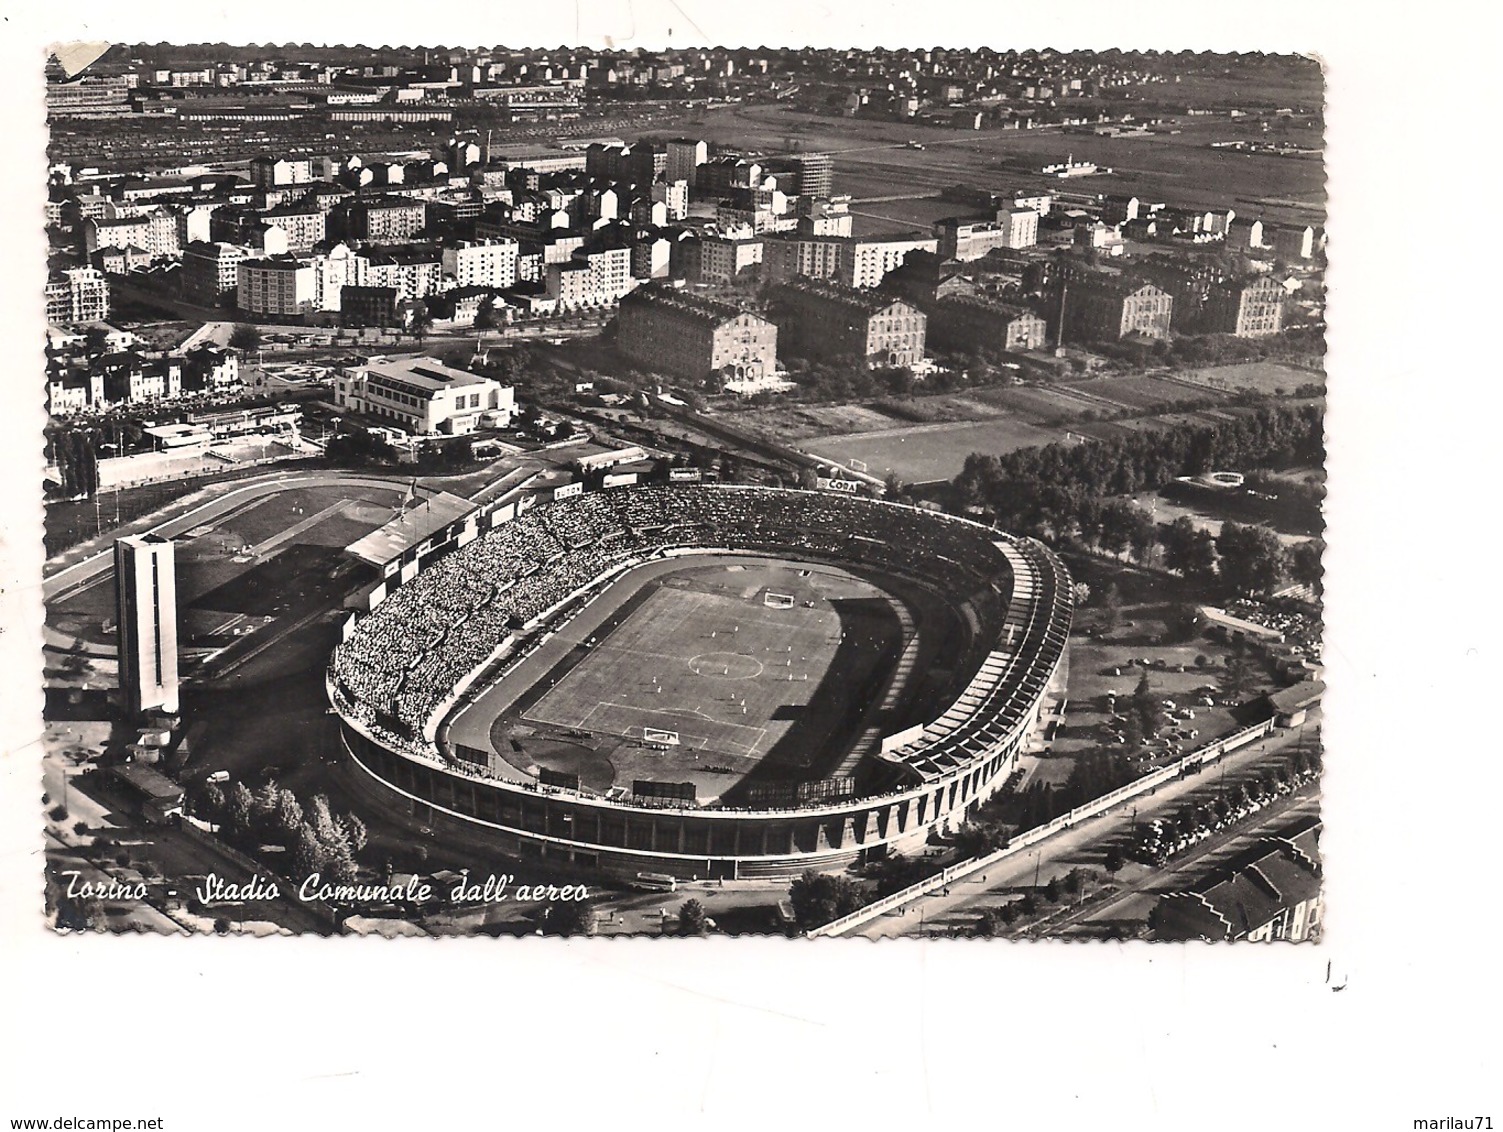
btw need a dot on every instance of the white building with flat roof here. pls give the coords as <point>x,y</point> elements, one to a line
<point>423,396</point>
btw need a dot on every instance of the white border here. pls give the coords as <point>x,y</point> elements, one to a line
<point>248,1034</point>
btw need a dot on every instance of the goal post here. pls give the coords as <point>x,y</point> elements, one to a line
<point>778,601</point>
<point>657,737</point>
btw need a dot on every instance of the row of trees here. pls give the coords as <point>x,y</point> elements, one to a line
<point>73,453</point>
<point>1045,489</point>
<point>319,841</point>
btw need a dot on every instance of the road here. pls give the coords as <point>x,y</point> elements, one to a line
<point>1076,845</point>
<point>1131,904</point>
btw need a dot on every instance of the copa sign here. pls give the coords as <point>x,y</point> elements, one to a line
<point>850,487</point>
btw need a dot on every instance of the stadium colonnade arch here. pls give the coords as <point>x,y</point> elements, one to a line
<point>471,614</point>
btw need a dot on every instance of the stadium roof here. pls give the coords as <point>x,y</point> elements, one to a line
<point>417,521</point>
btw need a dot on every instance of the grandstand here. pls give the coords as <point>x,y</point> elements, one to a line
<point>473,614</point>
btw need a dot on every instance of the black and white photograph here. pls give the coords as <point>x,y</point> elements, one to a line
<point>868,492</point>
<point>803,499</point>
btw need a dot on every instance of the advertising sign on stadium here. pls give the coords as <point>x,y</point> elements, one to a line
<point>684,475</point>
<point>826,484</point>
<point>525,503</point>
<point>568,490</point>
<point>619,479</point>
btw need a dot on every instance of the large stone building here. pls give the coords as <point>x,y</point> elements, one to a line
<point>827,320</point>
<point>1249,308</point>
<point>965,323</point>
<point>693,337</point>
<point>1108,308</point>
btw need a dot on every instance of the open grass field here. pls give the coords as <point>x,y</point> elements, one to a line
<point>926,453</point>
<point>1257,377</point>
<point>750,693</point>
<point>871,159</point>
<point>1146,394</point>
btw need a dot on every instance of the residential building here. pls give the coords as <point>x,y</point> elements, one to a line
<point>486,263</point>
<point>828,320</point>
<point>964,240</point>
<point>684,157</point>
<point>209,368</point>
<point>816,174</point>
<point>693,337</point>
<point>413,272</point>
<point>386,220</point>
<point>279,286</point>
<point>967,323</point>
<point>362,305</point>
<point>1272,894</point>
<point>146,620</point>
<point>789,256</point>
<point>721,258</point>
<point>130,379</point>
<point>269,172</point>
<point>423,396</point>
<point>211,273</point>
<point>865,261</point>
<point>74,389</point>
<point>154,232</point>
<point>591,278</point>
<point>1291,241</point>
<point>79,294</point>
<point>305,225</point>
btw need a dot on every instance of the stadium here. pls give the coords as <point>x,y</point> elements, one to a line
<point>704,681</point>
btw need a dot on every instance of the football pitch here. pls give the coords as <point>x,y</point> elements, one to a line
<point>723,675</point>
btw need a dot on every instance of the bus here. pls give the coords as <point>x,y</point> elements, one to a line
<point>655,882</point>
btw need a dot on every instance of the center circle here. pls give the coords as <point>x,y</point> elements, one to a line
<point>725,665</point>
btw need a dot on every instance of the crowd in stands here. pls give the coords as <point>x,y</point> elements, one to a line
<point>403,660</point>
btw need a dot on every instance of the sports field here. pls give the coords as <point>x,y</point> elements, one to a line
<point>925,453</point>
<point>270,559</point>
<point>693,677</point>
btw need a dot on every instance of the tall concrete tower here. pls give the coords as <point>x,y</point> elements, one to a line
<point>146,595</point>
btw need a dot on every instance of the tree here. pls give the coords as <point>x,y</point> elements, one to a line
<point>1241,676</point>
<point>211,800</point>
<point>1111,607</point>
<point>818,898</point>
<point>1305,563</point>
<point>691,918</point>
<point>1052,889</point>
<point>246,337</point>
<point>1252,558</point>
<point>240,809</point>
<point>1188,549</point>
<point>355,832</point>
<point>287,816</point>
<point>308,856</point>
<point>569,918</point>
<point>1113,860</point>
